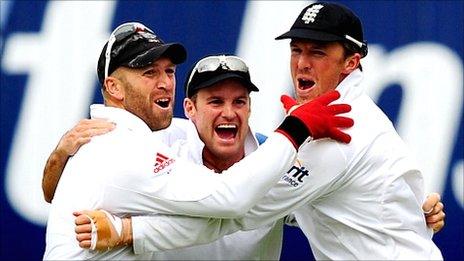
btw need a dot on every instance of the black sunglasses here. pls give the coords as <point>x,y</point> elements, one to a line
<point>122,32</point>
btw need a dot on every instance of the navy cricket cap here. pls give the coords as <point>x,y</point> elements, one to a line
<point>328,22</point>
<point>134,45</point>
<point>216,68</point>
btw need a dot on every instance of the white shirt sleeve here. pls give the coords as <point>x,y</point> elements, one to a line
<point>177,186</point>
<point>319,166</point>
<point>154,233</point>
<point>165,232</point>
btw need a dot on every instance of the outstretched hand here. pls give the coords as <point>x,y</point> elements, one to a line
<point>68,145</point>
<point>81,134</point>
<point>320,117</point>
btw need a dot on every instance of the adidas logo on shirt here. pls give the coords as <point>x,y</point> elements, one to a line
<point>161,162</point>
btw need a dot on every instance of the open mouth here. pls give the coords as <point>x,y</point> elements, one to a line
<point>304,84</point>
<point>163,102</point>
<point>226,131</point>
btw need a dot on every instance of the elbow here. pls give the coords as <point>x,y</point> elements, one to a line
<point>243,208</point>
<point>48,198</point>
<point>236,209</point>
<point>233,204</point>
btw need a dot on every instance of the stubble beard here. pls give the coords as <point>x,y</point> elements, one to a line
<point>144,108</point>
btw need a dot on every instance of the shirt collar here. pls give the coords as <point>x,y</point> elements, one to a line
<point>121,117</point>
<point>251,143</point>
<point>351,86</point>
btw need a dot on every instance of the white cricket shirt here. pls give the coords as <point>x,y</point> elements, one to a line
<point>263,243</point>
<point>132,170</point>
<point>353,201</point>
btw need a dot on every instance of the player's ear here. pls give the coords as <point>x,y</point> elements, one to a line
<point>114,88</point>
<point>189,108</point>
<point>352,63</point>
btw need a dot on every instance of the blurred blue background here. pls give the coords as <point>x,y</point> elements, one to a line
<point>48,53</point>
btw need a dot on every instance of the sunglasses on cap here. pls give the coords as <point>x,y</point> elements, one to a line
<point>213,63</point>
<point>122,32</point>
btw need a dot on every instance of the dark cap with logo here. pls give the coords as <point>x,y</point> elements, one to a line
<point>328,22</point>
<point>216,68</point>
<point>134,45</point>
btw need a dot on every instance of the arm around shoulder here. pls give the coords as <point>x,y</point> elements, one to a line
<point>52,173</point>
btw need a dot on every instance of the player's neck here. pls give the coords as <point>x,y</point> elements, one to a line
<point>219,164</point>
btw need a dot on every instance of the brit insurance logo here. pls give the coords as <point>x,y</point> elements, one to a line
<point>295,175</point>
<point>161,162</point>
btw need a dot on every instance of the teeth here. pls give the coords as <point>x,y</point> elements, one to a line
<point>304,84</point>
<point>163,102</point>
<point>227,126</point>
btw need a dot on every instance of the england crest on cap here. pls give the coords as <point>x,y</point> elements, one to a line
<point>311,13</point>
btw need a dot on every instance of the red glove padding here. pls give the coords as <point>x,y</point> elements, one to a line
<point>288,102</point>
<point>318,117</point>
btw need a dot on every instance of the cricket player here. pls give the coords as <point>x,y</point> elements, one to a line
<point>218,104</point>
<point>218,136</point>
<point>353,201</point>
<point>134,164</point>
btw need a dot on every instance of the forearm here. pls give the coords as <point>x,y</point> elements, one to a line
<point>165,232</point>
<point>298,186</point>
<point>236,190</point>
<point>52,173</point>
<point>68,145</point>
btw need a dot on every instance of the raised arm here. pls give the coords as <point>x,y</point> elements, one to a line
<point>181,187</point>
<point>68,145</point>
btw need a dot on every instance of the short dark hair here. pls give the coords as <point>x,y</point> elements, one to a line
<point>350,49</point>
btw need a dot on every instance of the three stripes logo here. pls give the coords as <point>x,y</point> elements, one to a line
<point>161,162</point>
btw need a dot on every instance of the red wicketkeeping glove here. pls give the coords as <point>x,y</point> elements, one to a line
<point>316,118</point>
